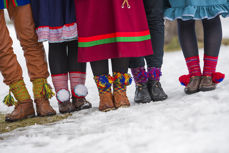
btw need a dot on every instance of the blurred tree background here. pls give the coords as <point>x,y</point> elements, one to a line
<point>171,37</point>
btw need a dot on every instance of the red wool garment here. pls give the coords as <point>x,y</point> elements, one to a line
<point>112,29</point>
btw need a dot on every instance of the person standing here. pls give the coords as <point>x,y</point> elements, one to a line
<point>21,15</point>
<point>148,86</point>
<point>55,22</point>
<point>116,30</point>
<point>208,11</point>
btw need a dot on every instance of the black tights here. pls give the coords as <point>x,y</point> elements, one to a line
<point>212,37</point>
<point>63,58</point>
<point>118,65</point>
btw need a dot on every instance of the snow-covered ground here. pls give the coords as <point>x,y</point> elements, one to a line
<point>225,24</point>
<point>182,124</point>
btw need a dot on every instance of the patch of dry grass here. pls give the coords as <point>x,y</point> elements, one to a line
<point>7,127</point>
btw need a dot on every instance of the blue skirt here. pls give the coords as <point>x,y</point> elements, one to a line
<point>55,20</point>
<point>196,9</point>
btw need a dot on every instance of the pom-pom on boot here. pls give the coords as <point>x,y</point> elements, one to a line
<point>142,94</point>
<point>191,83</point>
<point>155,89</point>
<point>121,81</point>
<point>78,97</point>
<point>104,83</point>
<point>63,97</point>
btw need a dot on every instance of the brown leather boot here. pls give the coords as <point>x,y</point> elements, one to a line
<point>206,84</point>
<point>193,85</point>
<point>80,103</point>
<point>66,107</point>
<point>106,102</point>
<point>120,99</point>
<point>21,111</point>
<point>44,108</point>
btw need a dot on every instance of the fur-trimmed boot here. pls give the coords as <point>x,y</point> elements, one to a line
<point>24,105</point>
<point>104,83</point>
<point>42,93</point>
<point>155,89</point>
<point>210,77</point>
<point>79,90</point>
<point>121,81</point>
<point>192,80</point>
<point>142,94</point>
<point>63,97</point>
<point>60,82</point>
<point>78,97</point>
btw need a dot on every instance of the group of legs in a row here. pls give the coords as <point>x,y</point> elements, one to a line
<point>129,32</point>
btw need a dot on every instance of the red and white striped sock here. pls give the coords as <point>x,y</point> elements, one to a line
<point>193,64</point>
<point>77,78</point>
<point>60,81</point>
<point>210,63</point>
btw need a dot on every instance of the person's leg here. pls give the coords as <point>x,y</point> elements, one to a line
<point>212,43</point>
<point>154,12</point>
<point>35,56</point>
<point>12,74</point>
<point>137,66</point>
<point>58,63</point>
<point>77,71</point>
<point>100,67</point>
<point>188,42</point>
<point>77,74</point>
<point>104,82</point>
<point>121,80</point>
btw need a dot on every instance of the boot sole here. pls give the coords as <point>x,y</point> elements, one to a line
<point>86,107</point>
<point>191,92</point>
<point>143,101</point>
<point>51,114</point>
<point>123,106</point>
<point>207,89</point>
<point>108,109</point>
<point>159,99</point>
<point>29,116</point>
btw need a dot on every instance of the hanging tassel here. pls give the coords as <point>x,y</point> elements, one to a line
<point>217,77</point>
<point>184,80</point>
<point>47,91</point>
<point>9,100</point>
<point>127,3</point>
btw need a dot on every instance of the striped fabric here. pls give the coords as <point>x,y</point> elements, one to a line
<point>114,38</point>
<point>209,65</point>
<point>4,3</point>
<point>193,64</point>
<point>63,33</point>
<point>60,81</point>
<point>77,78</point>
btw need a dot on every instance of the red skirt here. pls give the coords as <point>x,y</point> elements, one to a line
<point>109,29</point>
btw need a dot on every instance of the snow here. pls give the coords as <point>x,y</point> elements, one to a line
<point>196,123</point>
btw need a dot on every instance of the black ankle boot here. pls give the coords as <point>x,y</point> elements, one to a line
<point>142,94</point>
<point>156,91</point>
